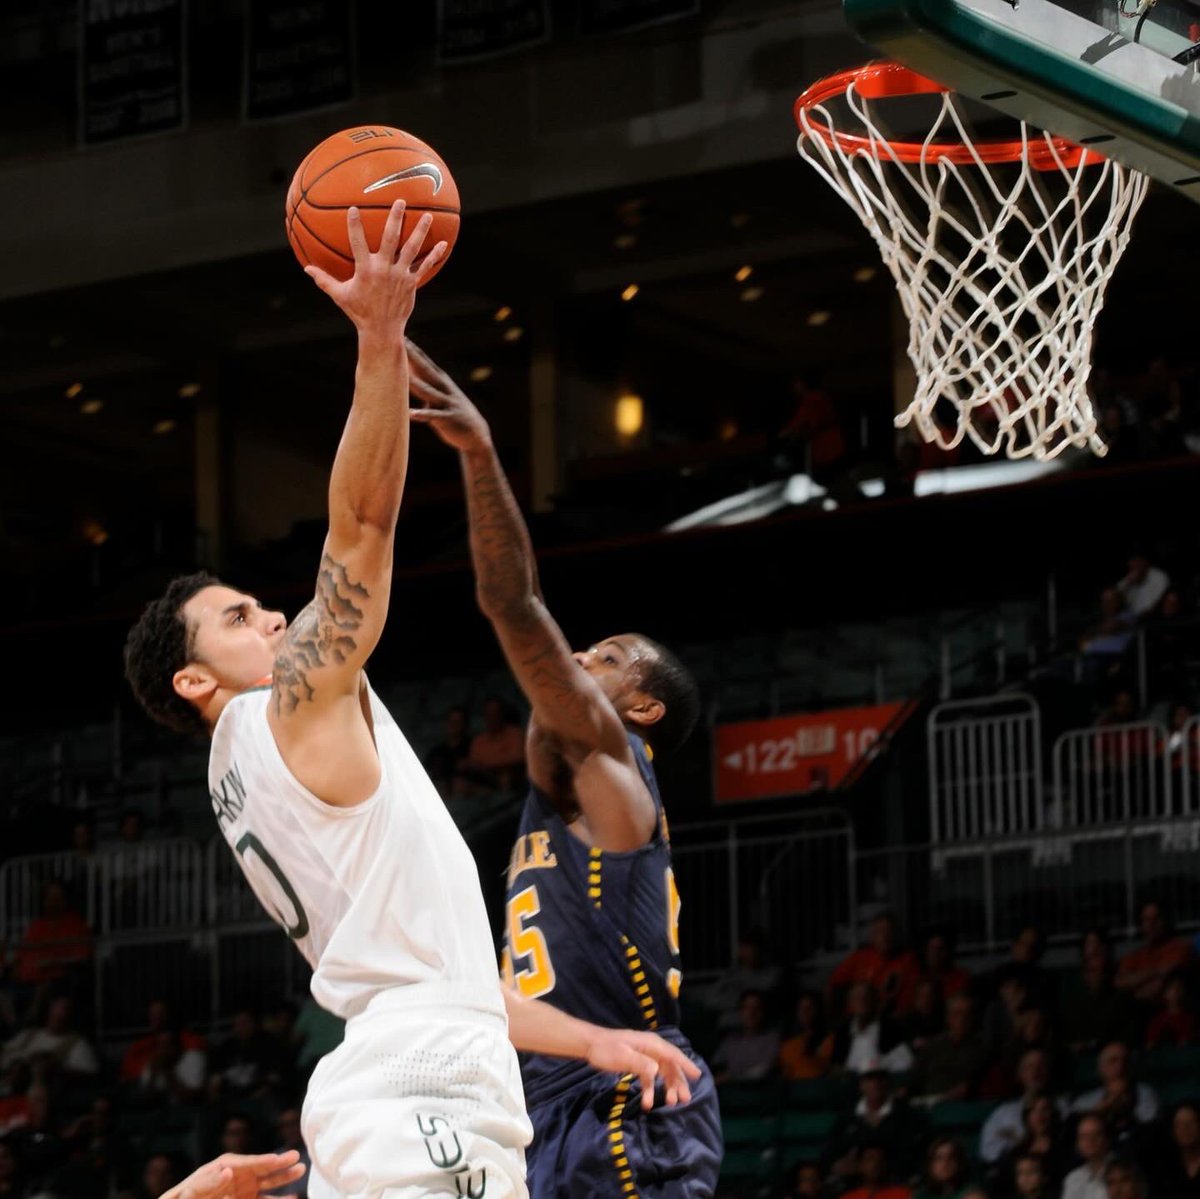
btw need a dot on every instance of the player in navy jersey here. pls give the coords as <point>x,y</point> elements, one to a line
<point>592,921</point>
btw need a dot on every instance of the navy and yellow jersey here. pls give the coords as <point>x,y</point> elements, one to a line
<point>594,933</point>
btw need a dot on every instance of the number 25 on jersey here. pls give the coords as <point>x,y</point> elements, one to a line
<point>526,943</point>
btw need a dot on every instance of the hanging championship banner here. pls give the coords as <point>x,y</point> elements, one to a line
<point>472,29</point>
<point>132,68</point>
<point>299,56</point>
<point>623,16</point>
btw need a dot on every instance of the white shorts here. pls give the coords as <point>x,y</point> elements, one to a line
<point>423,1097</point>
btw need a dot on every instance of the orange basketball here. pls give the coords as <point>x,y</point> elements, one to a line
<point>368,167</point>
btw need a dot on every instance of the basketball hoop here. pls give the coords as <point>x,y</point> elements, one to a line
<point>1001,252</point>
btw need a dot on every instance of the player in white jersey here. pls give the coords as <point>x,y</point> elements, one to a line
<point>340,832</point>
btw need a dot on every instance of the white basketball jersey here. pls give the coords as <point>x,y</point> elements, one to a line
<point>382,895</point>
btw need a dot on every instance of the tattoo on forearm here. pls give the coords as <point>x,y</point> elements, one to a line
<point>323,633</point>
<point>500,547</point>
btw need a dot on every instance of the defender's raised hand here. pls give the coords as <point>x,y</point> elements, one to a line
<point>379,296</point>
<point>446,408</point>
<point>237,1176</point>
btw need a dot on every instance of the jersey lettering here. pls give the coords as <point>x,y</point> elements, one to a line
<point>298,928</point>
<point>526,941</point>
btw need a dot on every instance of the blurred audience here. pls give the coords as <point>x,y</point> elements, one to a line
<point>1143,972</point>
<point>752,1052</point>
<point>496,759</point>
<point>864,1040</point>
<point>882,963</point>
<point>55,943</point>
<point>950,1065</point>
<point>1118,1095</point>
<point>805,1053</point>
<point>445,761</point>
<point>1087,1180</point>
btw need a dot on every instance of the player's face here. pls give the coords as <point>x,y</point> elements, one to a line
<point>234,638</point>
<point>618,664</point>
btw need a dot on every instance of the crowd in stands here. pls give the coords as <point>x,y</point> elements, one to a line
<point>1018,1081</point>
<point>491,761</point>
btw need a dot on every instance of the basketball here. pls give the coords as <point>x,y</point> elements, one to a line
<point>368,167</point>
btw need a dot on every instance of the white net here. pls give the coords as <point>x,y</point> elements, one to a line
<point>1001,270</point>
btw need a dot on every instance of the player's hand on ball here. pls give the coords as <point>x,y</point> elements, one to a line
<point>379,296</point>
<point>238,1176</point>
<point>446,408</point>
<point>647,1056</point>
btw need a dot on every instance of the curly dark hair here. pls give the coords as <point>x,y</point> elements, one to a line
<point>668,680</point>
<point>158,645</point>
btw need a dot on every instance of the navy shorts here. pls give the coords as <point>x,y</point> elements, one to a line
<point>594,1141</point>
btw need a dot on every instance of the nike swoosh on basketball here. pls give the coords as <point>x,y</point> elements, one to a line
<point>430,170</point>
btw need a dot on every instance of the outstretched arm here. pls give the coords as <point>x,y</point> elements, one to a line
<point>537,1027</point>
<point>316,714</point>
<point>566,703</point>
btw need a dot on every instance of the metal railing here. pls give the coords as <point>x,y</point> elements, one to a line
<point>985,768</point>
<point>1111,774</point>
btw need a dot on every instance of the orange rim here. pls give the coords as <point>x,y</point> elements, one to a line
<point>892,80</point>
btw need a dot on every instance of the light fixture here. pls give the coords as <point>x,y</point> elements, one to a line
<point>94,532</point>
<point>728,430</point>
<point>630,414</point>
<point>629,292</point>
<point>480,374</point>
<point>189,391</point>
<point>164,426</point>
<point>74,390</point>
<point>752,293</point>
<point>743,273</point>
<point>502,313</point>
<point>864,274</point>
<point>91,407</point>
<point>625,241</point>
<point>816,319</point>
<point>740,220</point>
<point>514,333</point>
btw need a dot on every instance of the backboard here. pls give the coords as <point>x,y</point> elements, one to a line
<point>1100,72</point>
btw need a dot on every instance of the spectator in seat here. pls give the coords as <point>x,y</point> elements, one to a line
<point>750,972</point>
<point>1104,644</point>
<point>1176,1023</point>
<point>879,1117</point>
<point>138,1055</point>
<point>1094,1011</point>
<point>37,1142</point>
<point>1118,1093</point>
<point>925,1017</point>
<point>949,1066</point>
<point>12,1185</point>
<point>1182,748</point>
<point>938,965</point>
<point>289,1137</point>
<point>496,761</point>
<point>875,1176</point>
<point>812,439</point>
<point>864,1039</point>
<point>1005,1127</point>
<point>1002,1016</point>
<point>1044,1138</point>
<point>803,1055</point>
<point>55,1048</point>
<point>808,1182</point>
<point>1178,1174</point>
<point>172,1074</point>
<point>947,1171</point>
<point>236,1135</point>
<point>1143,586</point>
<point>1124,1180</point>
<point>318,1032</point>
<point>444,762</point>
<point>1086,1181</point>
<point>891,970</point>
<point>752,1053</point>
<point>1030,1180</point>
<point>99,1157</point>
<point>159,1175</point>
<point>1143,972</point>
<point>247,1063</point>
<point>56,943</point>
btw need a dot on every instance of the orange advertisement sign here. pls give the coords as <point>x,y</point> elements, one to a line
<point>789,755</point>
